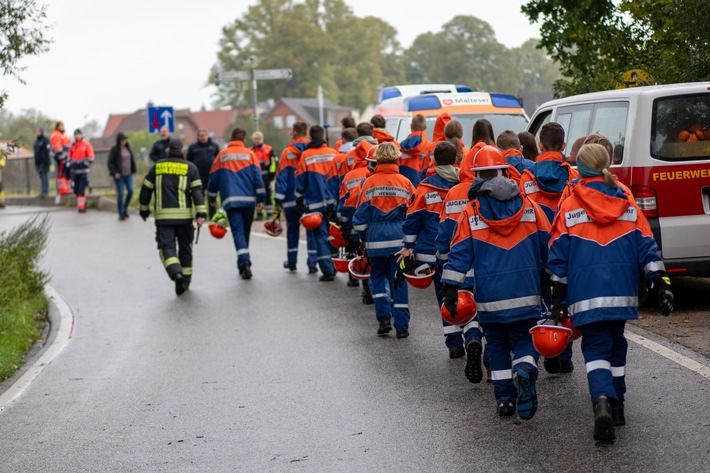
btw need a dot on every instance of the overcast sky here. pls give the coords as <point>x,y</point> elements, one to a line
<point>113,57</point>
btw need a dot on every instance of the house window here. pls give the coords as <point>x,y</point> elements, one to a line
<point>290,120</point>
<point>279,121</point>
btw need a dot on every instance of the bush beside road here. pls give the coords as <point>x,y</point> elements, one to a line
<point>24,307</point>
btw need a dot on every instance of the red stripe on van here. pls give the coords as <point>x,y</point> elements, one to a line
<point>678,187</point>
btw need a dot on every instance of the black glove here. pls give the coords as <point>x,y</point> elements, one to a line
<point>331,215</point>
<point>407,265</point>
<point>558,294</point>
<point>300,206</point>
<point>451,298</point>
<point>201,215</point>
<point>662,284</point>
<point>144,214</point>
<point>212,211</point>
<point>345,231</point>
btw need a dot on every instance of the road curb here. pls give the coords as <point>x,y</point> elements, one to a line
<point>61,322</point>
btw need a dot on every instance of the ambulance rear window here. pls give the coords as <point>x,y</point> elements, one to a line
<point>499,121</point>
<point>681,128</point>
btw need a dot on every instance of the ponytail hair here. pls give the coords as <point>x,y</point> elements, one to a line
<point>593,160</point>
<point>454,132</point>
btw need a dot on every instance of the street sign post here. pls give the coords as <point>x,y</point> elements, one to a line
<point>159,117</point>
<point>255,75</point>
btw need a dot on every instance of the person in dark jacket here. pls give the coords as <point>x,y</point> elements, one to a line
<point>177,188</point>
<point>160,147</point>
<point>42,160</point>
<point>122,166</point>
<point>202,153</point>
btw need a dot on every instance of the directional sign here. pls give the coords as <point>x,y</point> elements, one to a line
<point>159,117</point>
<point>267,74</point>
<point>234,75</point>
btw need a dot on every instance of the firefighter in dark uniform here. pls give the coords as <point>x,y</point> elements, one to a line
<point>177,188</point>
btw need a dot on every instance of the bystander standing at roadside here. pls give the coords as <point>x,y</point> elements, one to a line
<point>42,160</point>
<point>122,166</point>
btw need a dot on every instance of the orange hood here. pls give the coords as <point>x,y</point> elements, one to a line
<point>439,126</point>
<point>600,207</point>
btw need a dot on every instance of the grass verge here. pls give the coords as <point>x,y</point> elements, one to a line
<point>23,307</point>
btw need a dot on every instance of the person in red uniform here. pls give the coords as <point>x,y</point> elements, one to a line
<point>81,156</point>
<point>267,161</point>
<point>61,143</point>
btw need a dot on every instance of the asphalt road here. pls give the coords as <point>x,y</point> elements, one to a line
<point>283,373</point>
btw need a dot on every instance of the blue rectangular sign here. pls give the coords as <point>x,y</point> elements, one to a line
<point>158,117</point>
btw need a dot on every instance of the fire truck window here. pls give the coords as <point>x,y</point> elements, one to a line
<point>610,121</point>
<point>680,129</point>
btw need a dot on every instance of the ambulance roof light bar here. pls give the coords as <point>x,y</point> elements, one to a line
<point>422,102</point>
<point>506,100</point>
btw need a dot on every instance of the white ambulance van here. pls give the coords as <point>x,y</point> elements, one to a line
<point>505,112</point>
<point>661,139</point>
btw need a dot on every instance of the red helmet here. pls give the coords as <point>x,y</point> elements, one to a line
<point>550,340</point>
<point>274,227</point>
<point>421,277</point>
<point>337,242</point>
<point>370,155</point>
<point>359,268</point>
<point>334,230</point>
<point>341,264</point>
<point>489,157</point>
<point>312,220</point>
<point>567,322</point>
<point>466,308</point>
<point>217,231</point>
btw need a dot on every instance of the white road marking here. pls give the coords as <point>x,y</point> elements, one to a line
<point>676,357</point>
<point>64,334</point>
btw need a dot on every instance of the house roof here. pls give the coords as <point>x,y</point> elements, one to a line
<point>307,108</point>
<point>215,121</point>
<point>112,124</point>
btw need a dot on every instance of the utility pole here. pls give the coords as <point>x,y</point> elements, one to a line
<point>253,95</point>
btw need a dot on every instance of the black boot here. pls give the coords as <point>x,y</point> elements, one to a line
<point>245,272</point>
<point>566,366</point>
<point>506,408</point>
<point>617,412</point>
<point>179,284</point>
<point>367,294</point>
<point>290,267</point>
<point>456,352</point>
<point>385,327</point>
<point>553,365</point>
<point>473,370</point>
<point>603,420</point>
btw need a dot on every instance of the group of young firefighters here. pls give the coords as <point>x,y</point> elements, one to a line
<point>535,242</point>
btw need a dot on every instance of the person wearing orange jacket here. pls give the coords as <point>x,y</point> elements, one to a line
<point>380,133</point>
<point>312,196</point>
<point>348,199</point>
<point>422,225</point>
<point>453,132</point>
<point>481,135</point>
<point>454,203</point>
<point>380,213</point>
<point>61,143</point>
<point>509,144</point>
<point>437,136</point>
<point>414,150</point>
<point>346,122</point>
<point>267,161</point>
<point>236,178</point>
<point>81,156</point>
<point>285,198</point>
<point>545,184</point>
<point>341,164</point>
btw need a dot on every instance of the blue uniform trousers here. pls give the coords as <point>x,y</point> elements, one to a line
<point>293,228</point>
<point>604,348</point>
<point>320,236</point>
<point>502,340</point>
<point>240,220</point>
<point>390,301</point>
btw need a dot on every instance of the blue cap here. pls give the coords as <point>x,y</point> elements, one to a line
<point>175,143</point>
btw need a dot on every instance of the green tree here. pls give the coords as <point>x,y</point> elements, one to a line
<point>530,69</point>
<point>21,128</point>
<point>22,27</point>
<point>597,41</point>
<point>322,41</point>
<point>273,135</point>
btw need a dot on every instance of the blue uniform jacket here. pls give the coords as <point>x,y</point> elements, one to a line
<point>381,210</point>
<point>285,184</point>
<point>505,243</point>
<point>600,240</point>
<point>236,176</point>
